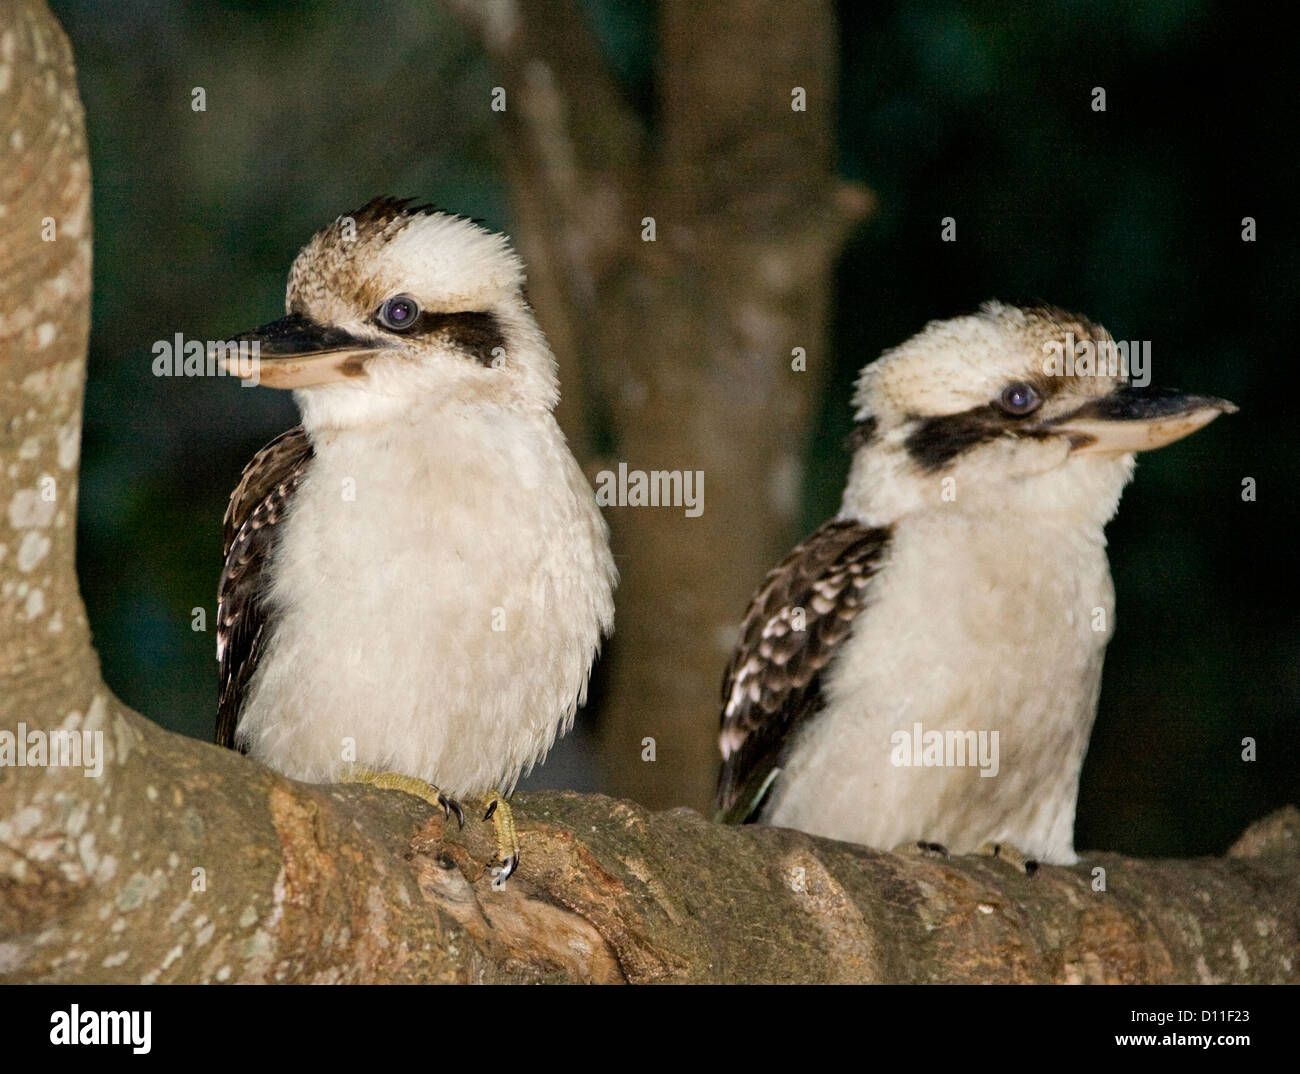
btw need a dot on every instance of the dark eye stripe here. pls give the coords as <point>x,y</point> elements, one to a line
<point>479,334</point>
<point>936,441</point>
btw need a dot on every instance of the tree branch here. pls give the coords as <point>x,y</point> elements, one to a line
<point>44,324</point>
<point>574,157</point>
<point>349,884</point>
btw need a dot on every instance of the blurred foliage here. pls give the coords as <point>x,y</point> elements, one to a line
<point>980,111</point>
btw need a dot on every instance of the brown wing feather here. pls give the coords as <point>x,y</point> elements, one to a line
<point>773,682</point>
<point>257,504</point>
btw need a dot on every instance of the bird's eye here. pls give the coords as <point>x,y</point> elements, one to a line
<point>399,313</point>
<point>1019,399</point>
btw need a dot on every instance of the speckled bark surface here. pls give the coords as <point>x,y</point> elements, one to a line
<point>324,884</point>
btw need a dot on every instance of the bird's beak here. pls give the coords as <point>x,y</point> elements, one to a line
<point>1137,419</point>
<point>297,352</point>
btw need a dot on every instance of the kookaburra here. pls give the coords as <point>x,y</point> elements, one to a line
<point>417,578</point>
<point>925,668</point>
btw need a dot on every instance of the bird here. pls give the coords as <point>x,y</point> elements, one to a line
<point>923,671</point>
<point>416,579</point>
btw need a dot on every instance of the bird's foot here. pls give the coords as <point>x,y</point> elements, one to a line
<point>1011,854</point>
<point>921,847</point>
<point>497,810</point>
<point>396,781</point>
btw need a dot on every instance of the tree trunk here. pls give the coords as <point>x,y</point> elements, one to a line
<point>681,349</point>
<point>167,859</point>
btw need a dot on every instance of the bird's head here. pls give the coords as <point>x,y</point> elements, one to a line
<point>394,306</point>
<point>1005,410</point>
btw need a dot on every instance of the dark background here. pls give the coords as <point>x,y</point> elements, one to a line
<point>978,111</point>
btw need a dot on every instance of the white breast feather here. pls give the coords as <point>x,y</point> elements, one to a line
<point>403,550</point>
<point>968,627</point>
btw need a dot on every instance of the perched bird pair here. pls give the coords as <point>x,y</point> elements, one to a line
<point>417,578</point>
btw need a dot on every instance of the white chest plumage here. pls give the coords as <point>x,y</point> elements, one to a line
<point>439,590</point>
<point>973,625</point>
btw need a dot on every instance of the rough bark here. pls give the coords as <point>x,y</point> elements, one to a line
<point>47,665</point>
<point>345,884</point>
<point>180,862</point>
<point>679,351</point>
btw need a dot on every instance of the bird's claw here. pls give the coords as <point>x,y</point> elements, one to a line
<point>1008,853</point>
<point>496,809</point>
<point>499,813</point>
<point>501,873</point>
<point>450,806</point>
<point>920,846</point>
<point>413,785</point>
